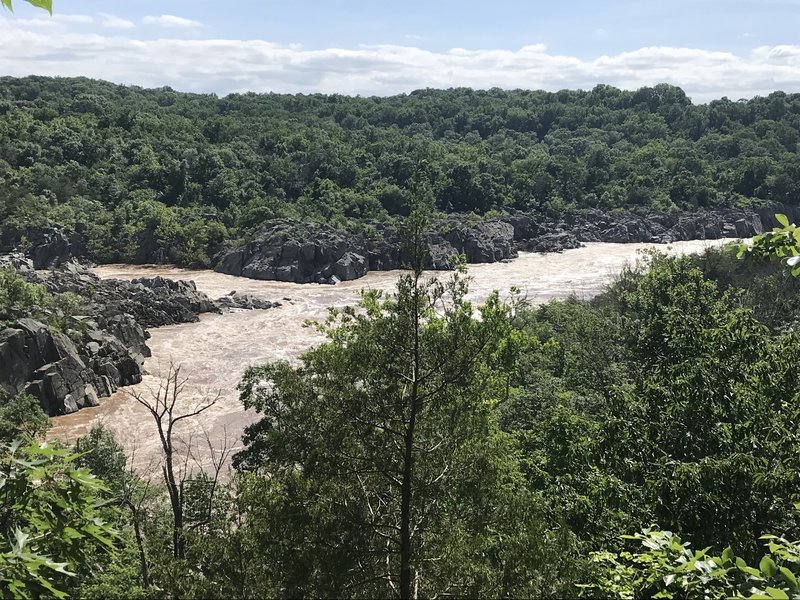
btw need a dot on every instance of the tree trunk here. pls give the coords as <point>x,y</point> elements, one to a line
<point>137,531</point>
<point>408,457</point>
<point>177,509</point>
<point>405,511</point>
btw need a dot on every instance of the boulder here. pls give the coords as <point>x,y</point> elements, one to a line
<point>46,364</point>
<point>298,252</point>
<point>350,266</point>
<point>235,300</point>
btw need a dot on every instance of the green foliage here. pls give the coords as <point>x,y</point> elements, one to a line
<point>21,415</point>
<point>781,244</point>
<point>158,175</point>
<point>101,453</point>
<point>664,400</point>
<point>45,4</point>
<point>17,296</point>
<point>669,568</point>
<point>416,371</point>
<point>49,511</point>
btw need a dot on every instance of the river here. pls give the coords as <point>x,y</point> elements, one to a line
<point>214,352</point>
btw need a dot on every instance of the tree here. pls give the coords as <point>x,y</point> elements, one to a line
<point>162,404</point>
<point>21,414</point>
<point>384,466</point>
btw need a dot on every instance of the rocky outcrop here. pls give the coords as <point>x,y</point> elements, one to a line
<point>298,252</point>
<point>482,242</point>
<point>46,248</point>
<point>90,357</point>
<point>49,365</point>
<point>237,301</point>
<point>596,226</point>
<point>305,253</point>
<point>153,302</point>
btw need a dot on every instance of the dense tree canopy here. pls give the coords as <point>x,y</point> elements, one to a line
<point>191,170</point>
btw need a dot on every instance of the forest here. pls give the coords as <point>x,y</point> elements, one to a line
<point>185,173</point>
<point>640,444</point>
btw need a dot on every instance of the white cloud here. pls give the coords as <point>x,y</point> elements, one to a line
<point>115,22</point>
<point>223,66</point>
<point>55,20</point>
<point>171,21</point>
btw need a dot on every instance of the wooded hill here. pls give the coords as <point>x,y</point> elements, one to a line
<point>113,161</point>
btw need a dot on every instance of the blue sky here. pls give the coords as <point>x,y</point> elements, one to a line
<point>737,48</point>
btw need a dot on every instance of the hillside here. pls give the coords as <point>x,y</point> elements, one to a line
<point>182,173</point>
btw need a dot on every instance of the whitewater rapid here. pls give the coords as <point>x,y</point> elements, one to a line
<point>214,352</point>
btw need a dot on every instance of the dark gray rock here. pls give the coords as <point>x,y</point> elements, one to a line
<point>46,248</point>
<point>298,252</point>
<point>237,301</point>
<point>303,253</point>
<point>46,364</point>
<point>553,242</point>
<point>350,266</point>
<point>16,261</point>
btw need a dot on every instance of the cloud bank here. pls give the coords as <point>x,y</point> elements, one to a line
<point>224,66</point>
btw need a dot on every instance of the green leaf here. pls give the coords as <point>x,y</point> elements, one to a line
<point>782,219</point>
<point>749,570</point>
<point>727,555</point>
<point>7,4</point>
<point>45,4</point>
<point>768,567</point>
<point>777,594</point>
<point>789,576</point>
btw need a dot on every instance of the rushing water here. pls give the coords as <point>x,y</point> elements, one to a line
<point>214,352</point>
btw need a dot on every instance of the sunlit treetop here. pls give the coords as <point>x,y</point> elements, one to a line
<point>780,244</point>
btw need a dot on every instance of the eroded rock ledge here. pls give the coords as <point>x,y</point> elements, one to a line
<point>303,253</point>
<point>89,357</point>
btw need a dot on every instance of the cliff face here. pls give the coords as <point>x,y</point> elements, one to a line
<point>304,253</point>
<point>90,357</point>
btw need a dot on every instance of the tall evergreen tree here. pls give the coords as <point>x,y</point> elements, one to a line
<point>388,472</point>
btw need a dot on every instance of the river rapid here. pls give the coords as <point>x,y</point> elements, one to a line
<point>214,352</point>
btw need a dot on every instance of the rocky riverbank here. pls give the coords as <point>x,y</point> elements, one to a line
<point>302,253</point>
<point>68,358</point>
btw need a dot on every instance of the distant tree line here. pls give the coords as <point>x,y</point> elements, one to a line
<point>182,172</point>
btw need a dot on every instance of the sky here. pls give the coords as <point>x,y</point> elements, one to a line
<point>711,48</point>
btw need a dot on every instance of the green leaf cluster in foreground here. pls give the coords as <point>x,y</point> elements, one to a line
<point>45,4</point>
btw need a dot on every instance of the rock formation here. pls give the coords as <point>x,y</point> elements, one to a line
<point>304,252</point>
<point>90,357</point>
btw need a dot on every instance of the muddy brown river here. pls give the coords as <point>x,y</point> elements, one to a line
<point>214,352</point>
